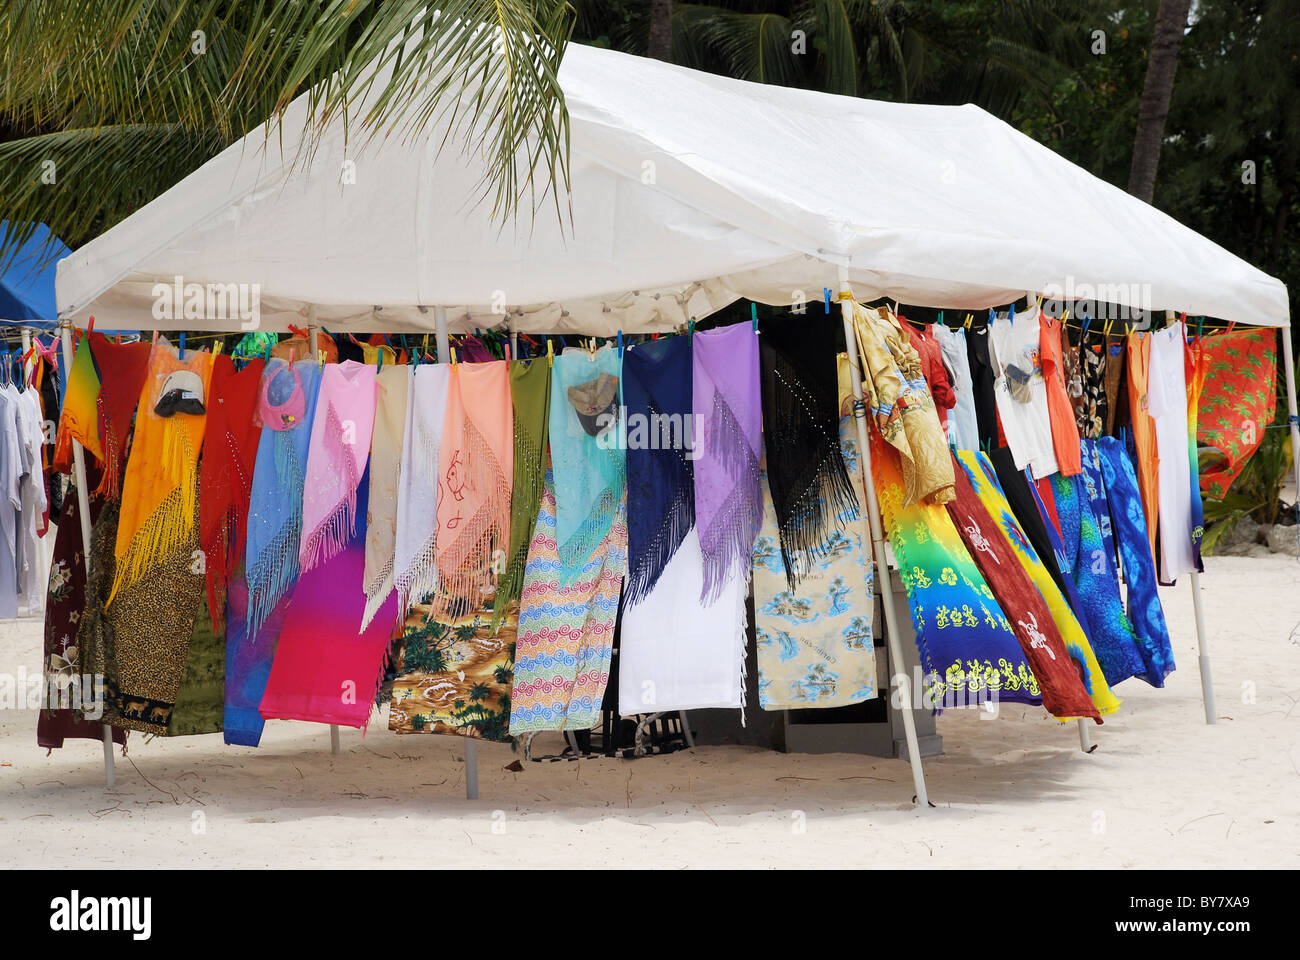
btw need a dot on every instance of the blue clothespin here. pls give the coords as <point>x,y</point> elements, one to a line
<point>690,327</point>
<point>826,298</point>
<point>1012,314</point>
<point>993,315</point>
<point>180,353</point>
<point>1086,322</point>
<point>753,315</point>
<point>620,344</point>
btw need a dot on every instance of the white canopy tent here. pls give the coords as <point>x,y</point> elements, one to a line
<point>688,191</point>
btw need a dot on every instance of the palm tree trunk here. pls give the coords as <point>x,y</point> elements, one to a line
<point>661,29</point>
<point>1158,90</point>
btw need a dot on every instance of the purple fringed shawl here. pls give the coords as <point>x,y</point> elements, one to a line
<point>729,416</point>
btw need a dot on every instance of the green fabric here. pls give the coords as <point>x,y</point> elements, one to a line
<point>530,394</point>
<point>201,698</point>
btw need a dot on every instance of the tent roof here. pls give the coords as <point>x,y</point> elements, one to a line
<point>688,191</point>
<point>27,283</point>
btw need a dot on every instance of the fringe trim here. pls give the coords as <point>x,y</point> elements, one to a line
<point>110,481</point>
<point>376,593</point>
<point>575,551</point>
<point>421,575</point>
<point>673,527</point>
<point>331,535</point>
<point>272,574</point>
<point>461,562</point>
<point>727,543</point>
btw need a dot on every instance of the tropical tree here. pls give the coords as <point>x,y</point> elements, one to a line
<point>104,104</point>
<point>1157,92</point>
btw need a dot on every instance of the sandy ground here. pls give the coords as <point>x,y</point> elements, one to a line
<point>1162,790</point>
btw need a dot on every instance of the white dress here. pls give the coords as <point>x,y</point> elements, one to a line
<point>1021,392</point>
<point>1167,404</point>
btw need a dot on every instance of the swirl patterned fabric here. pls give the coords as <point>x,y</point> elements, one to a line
<point>984,480</point>
<point>968,649</point>
<point>566,628</point>
<point>1144,609</point>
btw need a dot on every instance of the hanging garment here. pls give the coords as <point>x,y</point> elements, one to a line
<point>728,411</point>
<point>65,603</point>
<point>79,416</point>
<point>984,482</point>
<point>1144,610</point>
<point>1072,372</point>
<point>1167,405</point>
<point>530,399</point>
<point>11,476</point>
<point>336,459</point>
<point>415,566</point>
<point>476,471</point>
<point>1238,400</point>
<point>983,387</point>
<point>968,649</point>
<point>159,511</point>
<point>586,456</point>
<point>1118,414</point>
<point>1022,392</point>
<point>1094,414</point>
<point>932,369</point>
<point>678,652</point>
<point>454,674</point>
<point>1060,408</point>
<point>963,424</point>
<point>286,409</point>
<point>392,390</point>
<point>1111,632</point>
<point>32,576</point>
<point>123,369</point>
<point>1195,371</point>
<point>1020,495</point>
<point>660,473</point>
<point>814,642</point>
<point>902,409</point>
<point>566,628</point>
<point>806,473</point>
<point>200,696</point>
<point>324,671</point>
<point>230,442</point>
<point>248,664</point>
<point>1059,678</point>
<point>1144,429</point>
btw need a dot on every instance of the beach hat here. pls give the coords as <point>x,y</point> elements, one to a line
<point>592,399</point>
<point>182,393</point>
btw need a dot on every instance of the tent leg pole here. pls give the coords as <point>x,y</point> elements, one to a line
<point>1292,418</point>
<point>1203,648</point>
<point>877,536</point>
<point>440,334</point>
<point>83,512</point>
<point>1085,738</point>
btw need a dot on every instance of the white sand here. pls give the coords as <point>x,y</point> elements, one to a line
<point>1162,790</point>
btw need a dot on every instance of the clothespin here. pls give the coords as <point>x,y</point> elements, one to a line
<point>380,357</point>
<point>620,343</point>
<point>155,337</point>
<point>220,345</point>
<point>1200,325</point>
<point>550,352</point>
<point>90,327</point>
<point>1087,321</point>
<point>940,320</point>
<point>992,316</point>
<point>1039,304</point>
<point>1011,314</point>
<point>826,297</point>
<point>753,315</point>
<point>1231,324</point>
<point>292,351</point>
<point>690,327</point>
<point>970,318</point>
<point>1108,326</point>
<point>180,351</point>
<point>454,361</point>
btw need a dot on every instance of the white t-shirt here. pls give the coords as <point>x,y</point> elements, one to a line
<point>1167,404</point>
<point>1021,392</point>
<point>962,425</point>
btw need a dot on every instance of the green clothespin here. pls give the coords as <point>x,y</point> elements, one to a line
<point>753,315</point>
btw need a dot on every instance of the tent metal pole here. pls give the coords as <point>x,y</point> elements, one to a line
<point>313,346</point>
<point>875,531</point>
<point>1085,738</point>
<point>1203,648</point>
<point>1292,418</point>
<point>83,513</point>
<point>471,746</point>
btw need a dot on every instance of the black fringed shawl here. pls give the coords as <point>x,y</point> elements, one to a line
<point>806,473</point>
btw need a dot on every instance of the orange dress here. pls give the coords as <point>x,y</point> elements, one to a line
<point>1060,411</point>
<point>1144,429</point>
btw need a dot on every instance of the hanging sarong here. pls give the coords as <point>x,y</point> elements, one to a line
<point>248,664</point>
<point>1237,401</point>
<point>814,642</point>
<point>230,443</point>
<point>415,567</point>
<point>393,385</point>
<point>1195,373</point>
<point>454,673</point>
<point>587,456</point>
<point>984,483</point>
<point>1064,695</point>
<point>200,698</point>
<point>159,512</point>
<point>65,603</point>
<point>1144,609</point>
<point>79,416</point>
<point>324,671</point>
<point>336,460</point>
<point>286,409</point>
<point>1113,638</point>
<point>806,474</point>
<point>660,473</point>
<point>1094,412</point>
<point>968,649</point>
<point>566,629</point>
<point>476,470</point>
<point>728,410</point>
<point>1144,430</point>
<point>530,398</point>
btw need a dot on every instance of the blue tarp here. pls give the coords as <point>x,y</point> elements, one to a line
<point>26,292</point>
